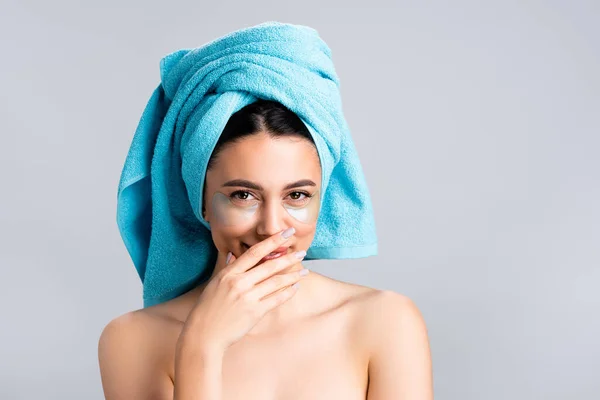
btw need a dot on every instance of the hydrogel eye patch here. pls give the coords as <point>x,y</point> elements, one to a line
<point>230,211</point>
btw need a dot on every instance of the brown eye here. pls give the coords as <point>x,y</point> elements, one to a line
<point>295,196</point>
<point>243,195</point>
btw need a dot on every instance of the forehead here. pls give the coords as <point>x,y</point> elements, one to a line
<point>265,159</point>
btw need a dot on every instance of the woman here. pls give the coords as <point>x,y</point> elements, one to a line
<point>247,332</point>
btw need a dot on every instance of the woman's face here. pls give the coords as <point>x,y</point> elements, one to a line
<point>260,186</point>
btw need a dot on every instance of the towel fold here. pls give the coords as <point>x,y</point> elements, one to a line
<point>160,190</point>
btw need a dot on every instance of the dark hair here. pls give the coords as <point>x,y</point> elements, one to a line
<point>267,116</point>
<point>263,115</point>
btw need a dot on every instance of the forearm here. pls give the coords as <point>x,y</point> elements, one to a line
<point>198,371</point>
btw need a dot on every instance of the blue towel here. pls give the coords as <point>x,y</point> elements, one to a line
<point>160,189</point>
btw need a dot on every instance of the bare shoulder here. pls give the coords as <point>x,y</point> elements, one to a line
<point>350,296</point>
<point>388,303</point>
<point>372,304</point>
<point>389,311</point>
<point>132,355</point>
<point>360,303</point>
<point>398,346</point>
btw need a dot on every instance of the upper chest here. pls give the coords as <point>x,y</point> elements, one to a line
<point>321,357</point>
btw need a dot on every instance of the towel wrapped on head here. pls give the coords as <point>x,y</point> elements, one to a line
<point>159,200</point>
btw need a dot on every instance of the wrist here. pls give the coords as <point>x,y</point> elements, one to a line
<point>195,344</point>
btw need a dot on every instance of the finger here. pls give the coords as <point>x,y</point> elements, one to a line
<point>275,283</point>
<point>222,259</point>
<point>255,253</point>
<point>232,258</point>
<point>277,299</point>
<point>271,267</point>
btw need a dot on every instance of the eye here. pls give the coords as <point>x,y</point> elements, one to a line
<point>244,195</point>
<point>295,198</point>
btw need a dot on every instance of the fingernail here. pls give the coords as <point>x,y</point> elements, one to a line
<point>300,254</point>
<point>288,232</point>
<point>304,272</point>
<point>228,257</point>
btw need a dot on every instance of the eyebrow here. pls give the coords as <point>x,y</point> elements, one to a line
<point>256,186</point>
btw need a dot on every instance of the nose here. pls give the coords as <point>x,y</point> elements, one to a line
<point>272,219</point>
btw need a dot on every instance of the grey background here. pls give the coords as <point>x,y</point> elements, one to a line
<point>477,124</point>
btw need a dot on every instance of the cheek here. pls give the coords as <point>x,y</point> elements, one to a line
<point>308,213</point>
<point>227,214</point>
<point>304,235</point>
<point>228,238</point>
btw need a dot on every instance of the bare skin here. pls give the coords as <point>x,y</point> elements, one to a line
<point>333,351</point>
<point>330,340</point>
<point>292,361</point>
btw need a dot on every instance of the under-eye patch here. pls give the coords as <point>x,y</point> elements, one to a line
<point>231,211</point>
